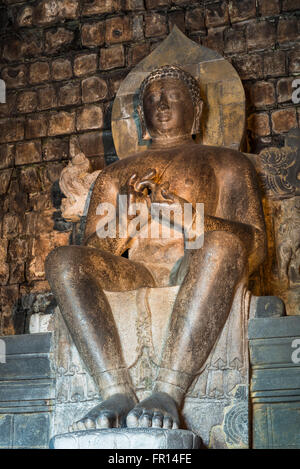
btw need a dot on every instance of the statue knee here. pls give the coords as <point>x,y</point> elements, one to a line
<point>62,261</point>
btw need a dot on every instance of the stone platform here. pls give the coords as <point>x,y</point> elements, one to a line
<point>127,438</point>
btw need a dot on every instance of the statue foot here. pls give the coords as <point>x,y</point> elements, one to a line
<point>111,413</point>
<point>157,411</point>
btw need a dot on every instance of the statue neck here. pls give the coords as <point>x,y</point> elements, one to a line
<point>163,142</point>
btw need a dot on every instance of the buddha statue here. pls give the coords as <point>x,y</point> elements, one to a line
<point>174,171</point>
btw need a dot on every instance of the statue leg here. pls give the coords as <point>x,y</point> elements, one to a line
<point>200,311</point>
<point>77,276</point>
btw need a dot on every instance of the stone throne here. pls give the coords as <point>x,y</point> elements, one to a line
<point>216,405</point>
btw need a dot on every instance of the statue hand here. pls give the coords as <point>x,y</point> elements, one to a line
<point>140,189</point>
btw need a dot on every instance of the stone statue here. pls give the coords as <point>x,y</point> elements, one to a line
<point>173,171</point>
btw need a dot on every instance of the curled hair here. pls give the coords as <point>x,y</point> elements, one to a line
<point>172,71</point>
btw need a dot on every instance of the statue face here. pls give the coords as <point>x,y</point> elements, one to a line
<point>168,108</point>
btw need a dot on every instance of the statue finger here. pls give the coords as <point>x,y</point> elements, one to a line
<point>157,420</point>
<point>168,422</point>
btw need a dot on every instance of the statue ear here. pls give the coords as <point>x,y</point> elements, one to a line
<point>197,118</point>
<point>145,134</point>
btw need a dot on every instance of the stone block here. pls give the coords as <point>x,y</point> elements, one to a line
<point>39,72</point>
<point>235,41</point>
<point>27,101</point>
<point>69,94</point>
<point>89,117</point>
<point>128,438</point>
<point>155,25</point>
<point>249,67</point>
<point>31,430</point>
<point>85,64</point>
<point>47,98</point>
<point>93,89</point>
<point>216,15</point>
<point>261,35</point>
<point>11,130</point>
<point>112,57</point>
<point>195,19</point>
<point>290,5</point>
<point>62,123</point>
<point>18,249</point>
<point>241,11</point>
<point>96,143</point>
<point>118,29</point>
<point>285,89</point>
<point>294,61</point>
<point>12,225</point>
<point>138,52</point>
<point>92,34</point>
<point>271,7</point>
<point>138,28</point>
<point>55,40</point>
<point>259,124</point>
<point>36,126</point>
<point>29,179</point>
<point>153,4</point>
<point>7,156</point>
<point>262,93</point>
<point>288,30</point>
<point>283,120</point>
<point>99,7</point>
<point>14,76</point>
<point>6,431</point>
<point>176,18</point>
<point>68,9</point>
<point>274,63</point>
<point>28,152</point>
<point>215,39</point>
<point>46,12</point>
<point>4,266</point>
<point>25,16</point>
<point>55,149</point>
<point>134,5</point>
<point>61,69</point>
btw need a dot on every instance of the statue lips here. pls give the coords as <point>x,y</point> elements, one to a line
<point>163,116</point>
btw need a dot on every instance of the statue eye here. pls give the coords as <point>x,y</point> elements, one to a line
<point>153,97</point>
<point>175,95</point>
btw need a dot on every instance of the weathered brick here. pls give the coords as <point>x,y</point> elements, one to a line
<point>36,126</point>
<point>85,64</point>
<point>4,266</point>
<point>55,149</point>
<point>50,173</point>
<point>27,101</point>
<point>92,34</point>
<point>16,273</point>
<point>216,15</point>
<point>68,9</point>
<point>155,25</point>
<point>29,178</point>
<point>118,29</point>
<point>269,7</point>
<point>58,39</point>
<point>274,63</point>
<point>37,223</point>
<point>176,18</point>
<point>46,12</point>
<point>285,89</point>
<point>235,41</point>
<point>138,52</point>
<point>11,130</point>
<point>284,120</point>
<point>18,249</point>
<point>92,143</point>
<point>241,10</point>
<point>194,19</point>
<point>5,177</point>
<point>89,117</point>
<point>259,124</point>
<point>62,123</point>
<point>7,156</point>
<point>262,94</point>
<point>28,152</point>
<point>30,45</point>
<point>9,296</point>
<point>46,97</point>
<point>290,5</point>
<point>215,39</point>
<point>294,61</point>
<point>9,108</point>
<point>12,225</point>
<point>39,72</point>
<point>14,76</point>
<point>261,35</point>
<point>93,89</point>
<point>69,94</point>
<point>112,57</point>
<point>133,5</point>
<point>61,69</point>
<point>25,16</point>
<point>98,7</point>
<point>152,4</point>
<point>40,201</point>
<point>287,30</point>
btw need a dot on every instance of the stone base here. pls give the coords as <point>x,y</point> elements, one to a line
<point>127,438</point>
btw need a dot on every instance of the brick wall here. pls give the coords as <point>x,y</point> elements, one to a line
<point>63,60</point>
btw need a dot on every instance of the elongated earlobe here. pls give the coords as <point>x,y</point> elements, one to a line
<point>196,129</point>
<point>144,131</point>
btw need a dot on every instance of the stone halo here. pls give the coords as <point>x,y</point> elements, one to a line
<point>223,120</point>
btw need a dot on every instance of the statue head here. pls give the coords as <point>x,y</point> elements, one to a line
<point>169,103</point>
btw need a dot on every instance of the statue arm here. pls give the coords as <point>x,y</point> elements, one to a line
<point>104,192</point>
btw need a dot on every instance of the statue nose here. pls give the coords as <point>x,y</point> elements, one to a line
<point>163,103</point>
